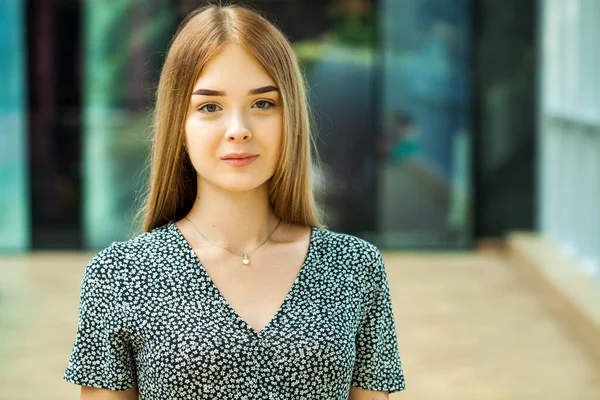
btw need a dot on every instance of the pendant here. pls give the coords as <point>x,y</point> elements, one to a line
<point>245,260</point>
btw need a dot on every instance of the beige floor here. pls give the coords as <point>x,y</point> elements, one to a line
<point>470,326</point>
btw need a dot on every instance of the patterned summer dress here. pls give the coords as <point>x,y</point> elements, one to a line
<point>151,316</point>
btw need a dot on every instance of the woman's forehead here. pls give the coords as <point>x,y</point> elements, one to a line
<point>234,69</point>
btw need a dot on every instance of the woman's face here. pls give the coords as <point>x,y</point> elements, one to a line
<point>234,124</point>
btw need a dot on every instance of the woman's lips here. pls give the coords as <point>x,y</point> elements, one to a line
<point>240,162</point>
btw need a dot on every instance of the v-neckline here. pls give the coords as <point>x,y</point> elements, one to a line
<point>222,298</point>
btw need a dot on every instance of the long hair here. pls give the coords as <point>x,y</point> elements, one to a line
<point>204,33</point>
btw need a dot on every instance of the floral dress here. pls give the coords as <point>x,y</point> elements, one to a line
<point>151,316</point>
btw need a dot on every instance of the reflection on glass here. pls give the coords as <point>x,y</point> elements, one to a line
<point>124,41</point>
<point>423,198</point>
<point>403,143</point>
<point>339,64</point>
<point>14,197</point>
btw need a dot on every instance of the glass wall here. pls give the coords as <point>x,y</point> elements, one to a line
<point>124,45</point>
<point>340,63</point>
<point>570,129</point>
<point>14,194</point>
<point>424,139</point>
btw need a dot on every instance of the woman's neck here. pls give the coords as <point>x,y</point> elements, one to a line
<point>240,221</point>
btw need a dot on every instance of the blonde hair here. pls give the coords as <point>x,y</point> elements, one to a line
<point>172,186</point>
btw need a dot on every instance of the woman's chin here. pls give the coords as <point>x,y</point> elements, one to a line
<point>233,182</point>
<point>243,186</point>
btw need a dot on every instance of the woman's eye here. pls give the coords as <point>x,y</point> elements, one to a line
<point>209,108</point>
<point>263,104</point>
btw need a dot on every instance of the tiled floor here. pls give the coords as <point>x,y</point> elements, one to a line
<point>469,327</point>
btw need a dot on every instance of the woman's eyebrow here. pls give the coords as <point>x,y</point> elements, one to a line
<point>263,89</point>
<point>260,90</point>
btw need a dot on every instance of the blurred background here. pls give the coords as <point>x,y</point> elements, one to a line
<point>462,137</point>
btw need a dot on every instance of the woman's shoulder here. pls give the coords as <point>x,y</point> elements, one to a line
<point>344,255</point>
<point>346,245</point>
<point>155,239</point>
<point>121,255</point>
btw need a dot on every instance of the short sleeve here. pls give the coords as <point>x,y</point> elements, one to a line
<point>377,365</point>
<point>102,355</point>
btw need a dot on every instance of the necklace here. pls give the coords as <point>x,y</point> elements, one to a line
<point>245,260</point>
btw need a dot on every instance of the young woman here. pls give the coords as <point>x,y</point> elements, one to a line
<point>234,290</point>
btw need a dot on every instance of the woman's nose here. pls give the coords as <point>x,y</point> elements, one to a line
<point>238,129</point>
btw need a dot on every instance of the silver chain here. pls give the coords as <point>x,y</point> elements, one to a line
<point>245,259</point>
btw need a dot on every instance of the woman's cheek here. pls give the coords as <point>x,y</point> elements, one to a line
<point>193,139</point>
<point>195,130</point>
